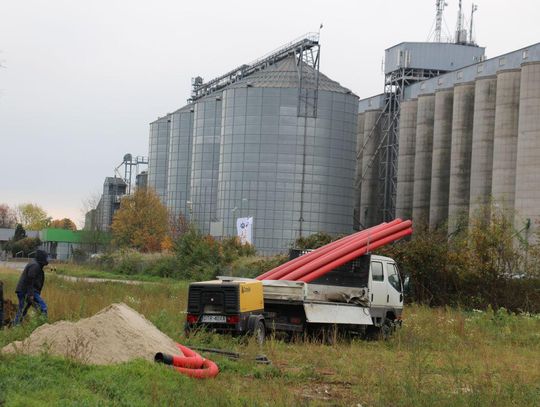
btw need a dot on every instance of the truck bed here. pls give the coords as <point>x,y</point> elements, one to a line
<point>297,291</point>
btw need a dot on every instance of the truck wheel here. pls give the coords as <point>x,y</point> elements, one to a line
<point>259,332</point>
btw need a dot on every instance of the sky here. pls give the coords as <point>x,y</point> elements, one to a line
<point>81,80</point>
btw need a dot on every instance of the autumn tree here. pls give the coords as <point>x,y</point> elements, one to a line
<point>33,217</point>
<point>64,223</point>
<point>141,222</point>
<point>8,218</point>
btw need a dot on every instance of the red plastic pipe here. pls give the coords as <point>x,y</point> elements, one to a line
<point>345,250</point>
<point>284,269</point>
<point>300,260</point>
<point>353,255</point>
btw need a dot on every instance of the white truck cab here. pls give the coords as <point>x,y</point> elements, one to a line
<point>385,290</point>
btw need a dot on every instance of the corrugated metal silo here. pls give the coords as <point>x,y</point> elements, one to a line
<point>440,171</point>
<point>482,142</point>
<point>460,164</point>
<point>369,207</point>
<point>423,158</point>
<point>205,161</point>
<point>506,138</point>
<point>180,150</point>
<point>158,156</point>
<point>528,148</point>
<point>407,143</point>
<point>291,173</point>
<point>358,169</point>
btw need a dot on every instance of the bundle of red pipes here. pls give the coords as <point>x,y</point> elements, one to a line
<point>315,264</point>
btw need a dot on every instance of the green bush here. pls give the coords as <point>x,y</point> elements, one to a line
<point>314,241</point>
<point>480,266</point>
<point>25,245</point>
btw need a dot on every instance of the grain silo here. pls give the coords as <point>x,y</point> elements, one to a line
<point>527,198</point>
<point>486,128</point>
<point>274,140</point>
<point>205,161</point>
<point>407,148</point>
<point>440,170</point>
<point>158,156</point>
<point>180,152</point>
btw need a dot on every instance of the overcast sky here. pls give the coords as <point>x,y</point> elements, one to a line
<point>81,80</point>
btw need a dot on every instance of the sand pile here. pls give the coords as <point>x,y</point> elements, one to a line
<point>115,334</point>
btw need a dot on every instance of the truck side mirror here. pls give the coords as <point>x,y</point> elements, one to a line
<point>406,283</point>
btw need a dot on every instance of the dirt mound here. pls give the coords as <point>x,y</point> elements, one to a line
<point>115,334</point>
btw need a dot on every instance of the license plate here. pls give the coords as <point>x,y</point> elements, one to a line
<point>219,319</point>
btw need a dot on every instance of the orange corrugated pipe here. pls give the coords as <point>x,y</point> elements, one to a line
<point>190,363</point>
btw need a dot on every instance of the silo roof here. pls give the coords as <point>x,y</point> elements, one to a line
<point>284,74</point>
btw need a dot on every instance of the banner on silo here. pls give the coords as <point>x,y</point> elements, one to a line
<point>244,228</point>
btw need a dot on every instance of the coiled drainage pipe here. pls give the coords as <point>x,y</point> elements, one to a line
<point>191,364</point>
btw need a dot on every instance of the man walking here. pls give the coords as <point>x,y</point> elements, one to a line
<point>30,285</point>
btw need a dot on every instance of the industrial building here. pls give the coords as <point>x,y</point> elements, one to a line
<point>273,140</point>
<point>114,188</point>
<point>461,137</point>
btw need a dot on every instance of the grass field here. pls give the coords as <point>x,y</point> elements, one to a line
<point>442,357</point>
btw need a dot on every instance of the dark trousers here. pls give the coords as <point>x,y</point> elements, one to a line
<point>39,304</point>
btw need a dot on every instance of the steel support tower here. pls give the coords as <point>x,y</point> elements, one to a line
<point>386,153</point>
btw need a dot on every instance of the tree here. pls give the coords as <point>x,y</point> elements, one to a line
<point>64,223</point>
<point>141,222</point>
<point>20,233</point>
<point>33,217</point>
<point>8,218</point>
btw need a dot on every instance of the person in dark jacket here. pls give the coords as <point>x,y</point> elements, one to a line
<point>30,285</point>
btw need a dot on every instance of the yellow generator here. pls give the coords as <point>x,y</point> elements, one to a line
<point>227,306</point>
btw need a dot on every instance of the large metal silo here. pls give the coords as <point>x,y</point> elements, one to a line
<point>482,142</point>
<point>505,139</point>
<point>180,150</point>
<point>369,206</point>
<point>528,148</point>
<point>405,163</point>
<point>158,156</point>
<point>460,164</point>
<point>440,171</point>
<point>423,158</point>
<point>205,161</point>
<point>358,169</point>
<point>293,174</point>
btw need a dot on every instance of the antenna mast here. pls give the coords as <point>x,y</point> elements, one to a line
<point>440,5</point>
<point>474,7</point>
<point>459,25</point>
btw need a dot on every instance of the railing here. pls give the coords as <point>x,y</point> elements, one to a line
<point>307,41</point>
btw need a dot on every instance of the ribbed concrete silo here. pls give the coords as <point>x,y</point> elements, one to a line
<point>505,139</point>
<point>180,150</point>
<point>405,163</point>
<point>440,171</point>
<point>460,164</point>
<point>423,158</point>
<point>205,161</point>
<point>158,156</point>
<point>358,170</point>
<point>528,148</point>
<point>369,208</point>
<point>482,143</point>
<point>291,173</point>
